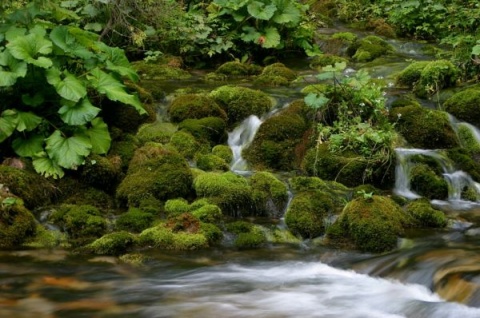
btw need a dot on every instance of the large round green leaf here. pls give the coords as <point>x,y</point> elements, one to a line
<point>68,152</point>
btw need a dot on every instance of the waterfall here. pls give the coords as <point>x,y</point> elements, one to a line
<point>240,138</point>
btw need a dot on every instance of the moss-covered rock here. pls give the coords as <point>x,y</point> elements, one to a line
<point>184,222</point>
<point>276,74</point>
<point>373,224</point>
<point>269,194</point>
<point>234,68</point>
<point>32,188</point>
<point>189,241</point>
<point>209,213</point>
<point>134,220</point>
<point>158,236</point>
<point>326,59</point>
<point>255,238</point>
<point>411,74</point>
<point>427,183</point>
<point>464,106</point>
<point>17,224</point>
<point>424,215</point>
<point>159,71</point>
<point>46,238</point>
<point>82,223</point>
<point>240,102</point>
<point>210,162</point>
<point>73,191</point>
<point>307,213</point>
<point>369,48</point>
<point>211,130</point>
<point>156,172</point>
<point>101,172</point>
<point>156,132</point>
<point>465,162</point>
<point>194,106</point>
<point>124,146</point>
<point>424,128</point>
<point>212,232</point>
<point>115,243</point>
<point>126,117</point>
<point>467,138</point>
<point>187,145</point>
<point>175,207</point>
<point>224,152</point>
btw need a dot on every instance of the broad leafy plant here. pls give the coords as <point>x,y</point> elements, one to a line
<point>53,78</point>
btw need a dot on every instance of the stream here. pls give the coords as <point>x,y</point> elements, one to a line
<point>433,274</point>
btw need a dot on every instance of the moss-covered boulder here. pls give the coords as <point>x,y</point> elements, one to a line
<point>212,233</point>
<point>74,191</point>
<point>411,74</point>
<point>464,106</point>
<point>211,130</point>
<point>134,220</point>
<point>224,152</point>
<point>276,74</point>
<point>125,117</point>
<point>159,71</point>
<point>465,162</point>
<point>115,243</point>
<point>124,146</point>
<point>156,132</point>
<point>210,162</point>
<point>162,237</point>
<point>247,235</point>
<point>337,191</point>
<point>157,172</point>
<point>274,145</point>
<point>369,48</point>
<point>240,102</point>
<point>194,106</point>
<point>17,224</point>
<point>187,145</point>
<point>427,183</point>
<point>32,188</point>
<point>230,192</point>
<point>269,194</point>
<point>424,215</point>
<point>308,212</point>
<point>236,68</point>
<point>424,128</point>
<point>468,139</point>
<point>101,172</point>
<point>373,224</point>
<point>82,223</point>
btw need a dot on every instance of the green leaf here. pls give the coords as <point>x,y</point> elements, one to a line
<point>28,147</point>
<point>128,72</point>
<point>7,126</point>
<point>94,26</point>
<point>476,50</point>
<point>99,136</point>
<point>34,101</point>
<point>106,84</point>
<point>315,101</point>
<point>250,34</point>
<point>11,69</point>
<point>27,48</point>
<point>79,113</point>
<point>71,88</point>
<point>68,152</point>
<point>47,167</point>
<point>27,121</point>
<point>261,11</point>
<point>14,33</point>
<point>65,40</point>
<point>286,13</point>
<point>272,38</point>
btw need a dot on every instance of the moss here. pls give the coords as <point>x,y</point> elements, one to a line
<point>126,117</point>
<point>157,172</point>
<point>405,101</point>
<point>224,152</point>
<point>233,68</point>
<point>175,207</point>
<point>269,194</point>
<point>211,162</point>
<point>209,213</point>
<point>374,224</point>
<point>46,238</point>
<point>345,36</point>
<point>465,162</point>
<point>412,73</point>
<point>17,224</point>
<point>101,172</point>
<point>337,191</point>
<point>238,227</point>
<point>326,59</point>
<point>229,191</point>
<point>467,139</point>
<point>198,203</point>
<point>255,238</point>
<point>306,214</point>
<point>184,222</point>
<point>424,215</point>
<point>365,190</point>
<point>271,80</point>
<point>315,88</point>
<point>124,146</point>
<point>82,223</point>
<point>158,71</point>
<point>134,220</point>
<point>369,48</point>
<point>196,106</point>
<point>75,192</point>
<point>464,106</point>
<point>158,237</point>
<point>212,232</point>
<point>276,74</point>
<point>187,241</point>
<point>134,259</point>
<point>427,183</point>
<point>240,102</point>
<point>424,128</point>
<point>115,243</point>
<point>187,145</point>
<point>156,132</point>
<point>212,130</point>
<point>32,188</point>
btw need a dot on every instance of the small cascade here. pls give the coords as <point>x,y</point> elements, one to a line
<point>457,180</point>
<point>240,138</point>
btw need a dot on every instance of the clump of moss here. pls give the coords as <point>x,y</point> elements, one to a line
<point>158,237</point>
<point>233,68</point>
<point>464,106</point>
<point>373,224</point>
<point>465,162</point>
<point>424,128</point>
<point>240,102</point>
<point>73,191</point>
<point>345,36</point>
<point>326,59</point>
<point>188,241</point>
<point>134,220</point>
<point>124,146</point>
<point>247,235</point>
<point>209,213</point>
<point>196,106</point>
<point>224,152</point>
<point>115,243</point>
<point>337,191</point>
<point>126,117</point>
<point>210,162</point>
<point>424,215</point>
<point>212,232</point>
<point>276,74</point>
<point>156,132</point>
<point>269,194</point>
<point>175,207</point>
<point>307,213</point>
<point>467,139</point>
<point>184,222</point>
<point>187,145</point>
<point>159,71</point>
<point>46,238</point>
<point>157,172</point>
<point>369,48</point>
<point>427,183</point>
<point>211,130</point>
<point>82,223</point>
<point>17,224</point>
<point>101,172</point>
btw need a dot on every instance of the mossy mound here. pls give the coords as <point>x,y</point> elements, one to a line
<point>424,215</point>
<point>32,188</point>
<point>210,162</point>
<point>240,102</point>
<point>247,235</point>
<point>465,162</point>
<point>307,213</point>
<point>175,207</point>
<point>156,132</point>
<point>82,223</point>
<point>187,145</point>
<point>159,71</point>
<point>467,139</point>
<point>235,68</point>
<point>339,193</point>
<point>162,237</point>
<point>326,59</point>
<point>373,224</point>
<point>212,232</point>
<point>194,106</point>
<point>201,209</point>
<point>101,172</point>
<point>269,194</point>
<point>134,220</point>
<point>74,191</point>
<point>274,144</point>
<point>230,192</point>
<point>124,146</point>
<point>126,117</point>
<point>116,243</point>
<point>369,48</point>
<point>224,152</point>
<point>427,183</point>
<point>276,74</point>
<point>464,106</point>
<point>157,172</point>
<point>411,74</point>
<point>424,128</point>
<point>46,239</point>
<point>211,130</point>
<point>17,224</point>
